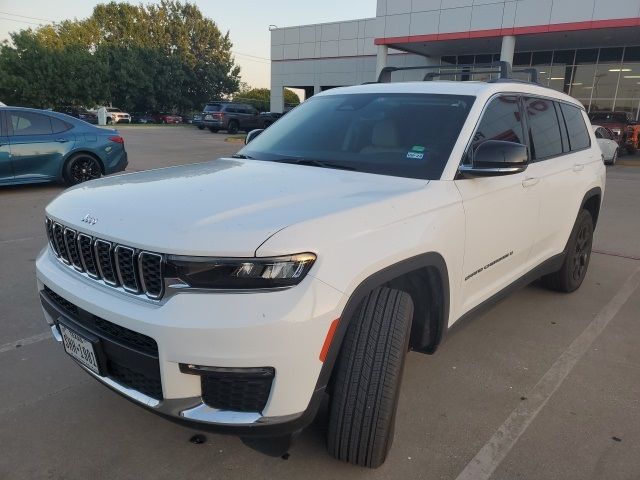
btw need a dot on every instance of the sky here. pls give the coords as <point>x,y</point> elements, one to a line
<point>247,21</point>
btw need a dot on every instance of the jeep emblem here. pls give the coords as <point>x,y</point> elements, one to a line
<point>89,219</point>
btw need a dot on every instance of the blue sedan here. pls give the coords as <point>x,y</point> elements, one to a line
<point>42,146</point>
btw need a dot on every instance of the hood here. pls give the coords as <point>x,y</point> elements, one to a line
<point>226,207</point>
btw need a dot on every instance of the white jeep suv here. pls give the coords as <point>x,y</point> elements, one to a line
<point>235,294</point>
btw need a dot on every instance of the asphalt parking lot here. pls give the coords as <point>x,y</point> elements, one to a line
<point>543,386</point>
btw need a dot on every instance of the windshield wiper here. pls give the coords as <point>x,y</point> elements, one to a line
<point>242,156</point>
<point>313,163</point>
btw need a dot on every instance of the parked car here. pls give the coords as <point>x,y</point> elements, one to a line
<point>231,117</point>
<point>197,121</point>
<point>361,225</point>
<point>608,144</point>
<point>622,124</point>
<point>269,117</point>
<point>167,118</point>
<point>44,146</point>
<point>79,112</point>
<point>115,115</point>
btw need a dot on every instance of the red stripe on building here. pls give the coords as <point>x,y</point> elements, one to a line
<point>501,32</point>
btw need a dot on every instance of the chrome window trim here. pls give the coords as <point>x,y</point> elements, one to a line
<point>134,262</point>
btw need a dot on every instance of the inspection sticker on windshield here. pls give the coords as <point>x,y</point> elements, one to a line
<point>416,152</point>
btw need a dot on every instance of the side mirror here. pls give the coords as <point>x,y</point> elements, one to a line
<point>496,157</point>
<point>253,134</point>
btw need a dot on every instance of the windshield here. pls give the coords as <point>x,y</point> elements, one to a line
<point>404,135</point>
<point>212,107</point>
<point>110,109</point>
<point>609,117</point>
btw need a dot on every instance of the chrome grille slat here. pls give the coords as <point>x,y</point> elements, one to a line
<point>104,258</point>
<point>125,268</point>
<point>85,246</point>
<point>72,248</point>
<point>126,263</point>
<point>151,277</point>
<point>58,238</point>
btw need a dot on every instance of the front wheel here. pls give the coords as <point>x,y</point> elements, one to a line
<point>576,262</point>
<point>213,129</point>
<point>614,159</point>
<point>81,168</point>
<point>233,127</point>
<point>200,127</point>
<point>367,378</point>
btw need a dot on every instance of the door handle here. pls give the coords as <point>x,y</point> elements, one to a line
<point>578,167</point>
<point>530,182</point>
<point>62,140</point>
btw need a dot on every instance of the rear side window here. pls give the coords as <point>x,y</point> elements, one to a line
<point>576,128</point>
<point>59,126</point>
<point>30,123</point>
<point>212,107</point>
<point>501,121</point>
<point>544,126</point>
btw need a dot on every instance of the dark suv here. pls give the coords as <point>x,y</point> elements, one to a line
<point>231,117</point>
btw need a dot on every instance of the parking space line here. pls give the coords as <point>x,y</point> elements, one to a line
<point>613,254</point>
<point>11,240</point>
<point>482,466</point>
<point>25,341</point>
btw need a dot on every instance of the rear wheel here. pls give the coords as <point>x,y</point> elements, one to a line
<point>575,265</point>
<point>614,159</point>
<point>233,127</point>
<point>212,129</point>
<point>81,168</point>
<point>200,127</point>
<point>367,378</point>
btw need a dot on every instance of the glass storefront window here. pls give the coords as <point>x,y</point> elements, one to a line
<point>601,104</point>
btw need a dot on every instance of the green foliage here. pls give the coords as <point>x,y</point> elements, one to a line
<point>163,56</point>
<point>260,97</point>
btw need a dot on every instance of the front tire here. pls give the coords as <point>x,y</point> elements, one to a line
<point>614,159</point>
<point>200,127</point>
<point>574,268</point>
<point>233,127</point>
<point>81,168</point>
<point>367,378</point>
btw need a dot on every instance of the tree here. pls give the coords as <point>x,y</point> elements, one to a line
<point>165,56</point>
<point>261,97</point>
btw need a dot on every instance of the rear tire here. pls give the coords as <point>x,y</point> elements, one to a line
<point>614,159</point>
<point>81,168</point>
<point>200,127</point>
<point>213,129</point>
<point>368,374</point>
<point>575,265</point>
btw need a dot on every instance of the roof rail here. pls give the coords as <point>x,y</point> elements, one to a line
<point>501,67</point>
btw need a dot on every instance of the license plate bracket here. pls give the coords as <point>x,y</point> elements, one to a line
<point>83,347</point>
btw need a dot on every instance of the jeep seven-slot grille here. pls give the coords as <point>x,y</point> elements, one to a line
<point>119,266</point>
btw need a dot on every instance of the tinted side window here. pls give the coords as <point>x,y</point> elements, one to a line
<point>30,123</point>
<point>546,140</point>
<point>501,121</point>
<point>59,126</point>
<point>578,134</point>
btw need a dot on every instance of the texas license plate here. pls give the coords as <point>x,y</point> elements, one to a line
<point>79,348</point>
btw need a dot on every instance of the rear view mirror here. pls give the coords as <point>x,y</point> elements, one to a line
<point>253,134</point>
<point>496,157</point>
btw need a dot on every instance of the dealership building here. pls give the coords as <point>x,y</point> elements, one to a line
<point>589,49</point>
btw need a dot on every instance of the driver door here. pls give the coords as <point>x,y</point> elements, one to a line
<point>501,212</point>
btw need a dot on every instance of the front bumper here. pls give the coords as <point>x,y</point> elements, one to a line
<point>284,330</point>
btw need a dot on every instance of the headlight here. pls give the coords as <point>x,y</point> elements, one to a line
<point>238,273</point>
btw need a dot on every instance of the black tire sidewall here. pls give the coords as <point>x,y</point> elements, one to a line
<point>567,279</point>
<point>66,172</point>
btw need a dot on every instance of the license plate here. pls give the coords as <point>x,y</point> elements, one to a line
<point>79,348</point>
<point>208,117</point>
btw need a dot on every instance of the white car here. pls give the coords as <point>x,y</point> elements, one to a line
<point>237,294</point>
<point>608,144</point>
<point>115,115</point>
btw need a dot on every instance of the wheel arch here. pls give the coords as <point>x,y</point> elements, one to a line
<point>425,277</point>
<point>592,202</point>
<point>77,152</point>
